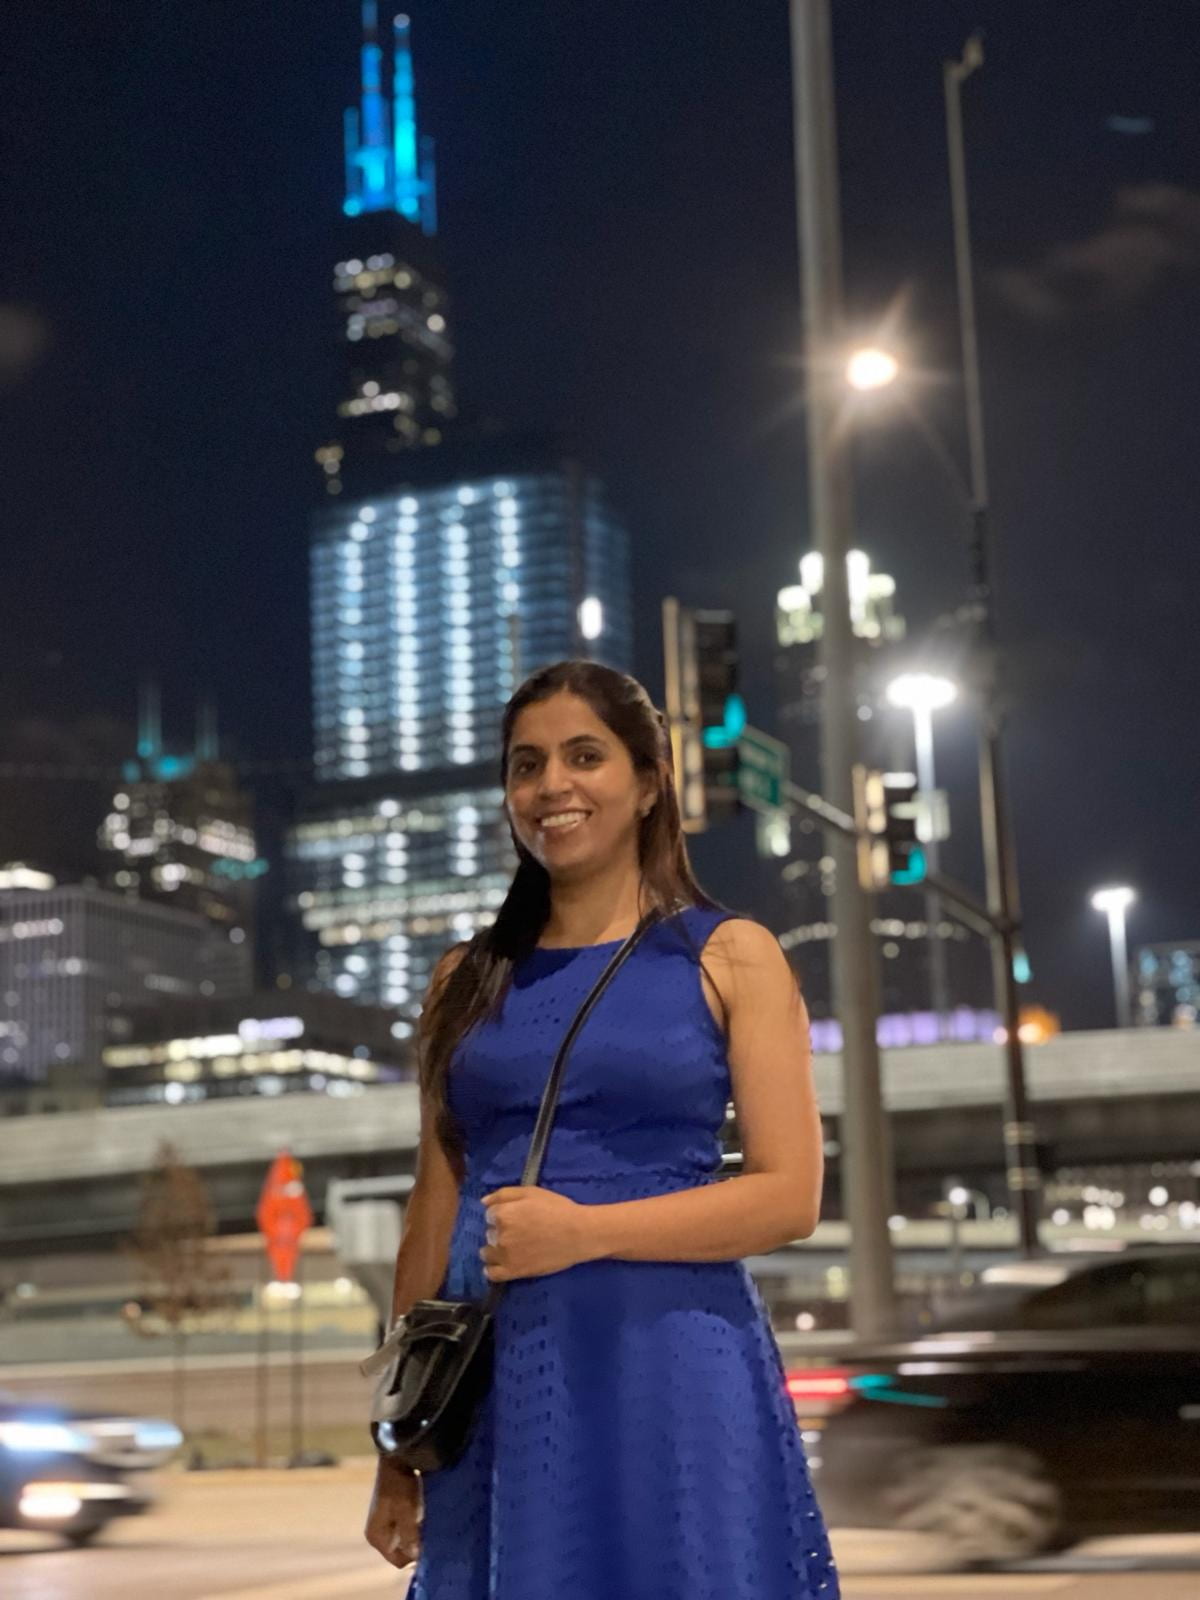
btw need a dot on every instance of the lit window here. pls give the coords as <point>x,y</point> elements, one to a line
<point>591,618</point>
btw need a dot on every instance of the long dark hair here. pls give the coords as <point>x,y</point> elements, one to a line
<point>475,984</point>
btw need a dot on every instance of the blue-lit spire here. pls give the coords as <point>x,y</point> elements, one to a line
<point>149,746</point>
<point>389,167</point>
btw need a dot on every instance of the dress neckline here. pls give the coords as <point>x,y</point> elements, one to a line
<point>575,949</point>
<point>605,944</point>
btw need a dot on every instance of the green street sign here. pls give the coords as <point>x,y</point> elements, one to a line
<point>763,767</point>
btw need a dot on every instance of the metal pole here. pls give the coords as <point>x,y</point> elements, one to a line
<point>939,985</point>
<point>1120,965</point>
<point>298,1369</point>
<point>1024,1176</point>
<point>262,1373</point>
<point>866,1165</point>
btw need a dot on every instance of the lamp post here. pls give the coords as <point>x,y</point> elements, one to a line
<point>956,1202</point>
<point>922,693</point>
<point>1024,1171</point>
<point>866,1181</point>
<point>1115,902</point>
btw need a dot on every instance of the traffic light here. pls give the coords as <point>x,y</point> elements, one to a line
<point>885,813</point>
<point>705,713</point>
<point>722,710</point>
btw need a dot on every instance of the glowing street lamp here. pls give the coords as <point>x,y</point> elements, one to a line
<point>869,369</point>
<point>1115,902</point>
<point>922,691</point>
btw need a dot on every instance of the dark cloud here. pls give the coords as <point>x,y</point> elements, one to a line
<point>1152,234</point>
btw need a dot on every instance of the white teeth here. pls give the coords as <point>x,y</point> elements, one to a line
<point>563,819</point>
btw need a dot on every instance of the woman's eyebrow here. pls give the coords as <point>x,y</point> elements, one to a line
<point>577,738</point>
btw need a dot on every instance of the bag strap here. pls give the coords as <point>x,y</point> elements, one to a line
<point>541,1131</point>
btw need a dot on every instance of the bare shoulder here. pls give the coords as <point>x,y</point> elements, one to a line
<point>743,967</point>
<point>740,943</point>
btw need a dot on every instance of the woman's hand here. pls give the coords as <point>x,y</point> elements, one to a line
<point>394,1518</point>
<point>532,1232</point>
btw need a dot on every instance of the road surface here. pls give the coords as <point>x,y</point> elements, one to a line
<point>296,1536</point>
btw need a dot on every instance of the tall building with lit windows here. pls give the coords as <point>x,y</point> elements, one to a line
<point>445,566</point>
<point>429,605</point>
<point>180,830</point>
<point>76,962</point>
<point>394,359</point>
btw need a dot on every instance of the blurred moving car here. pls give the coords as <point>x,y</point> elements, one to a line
<point>1062,1403</point>
<point>68,1473</point>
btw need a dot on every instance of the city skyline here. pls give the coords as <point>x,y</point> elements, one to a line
<point>587,291</point>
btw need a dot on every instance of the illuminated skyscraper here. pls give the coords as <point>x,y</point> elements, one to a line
<point>75,963</point>
<point>429,606</point>
<point>445,567</point>
<point>430,603</point>
<point>180,831</point>
<point>391,314</point>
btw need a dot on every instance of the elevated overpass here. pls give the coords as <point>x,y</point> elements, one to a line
<point>72,1180</point>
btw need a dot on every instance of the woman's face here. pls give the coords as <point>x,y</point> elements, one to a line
<point>573,796</point>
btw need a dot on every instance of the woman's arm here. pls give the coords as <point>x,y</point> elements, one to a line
<point>777,1196</point>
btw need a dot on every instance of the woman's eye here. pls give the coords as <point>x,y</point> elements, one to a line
<point>587,755</point>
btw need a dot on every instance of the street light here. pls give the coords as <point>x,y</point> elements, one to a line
<point>1115,902</point>
<point>871,368</point>
<point>922,693</point>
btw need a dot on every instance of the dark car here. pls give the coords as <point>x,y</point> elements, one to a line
<point>69,1473</point>
<point>1053,1411</point>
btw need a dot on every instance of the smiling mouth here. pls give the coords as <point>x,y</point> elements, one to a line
<point>561,822</point>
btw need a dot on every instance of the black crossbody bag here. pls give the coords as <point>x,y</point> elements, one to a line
<point>435,1366</point>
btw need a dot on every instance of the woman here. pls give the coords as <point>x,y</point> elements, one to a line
<point>637,1442</point>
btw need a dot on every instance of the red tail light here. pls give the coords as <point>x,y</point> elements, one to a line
<point>818,1384</point>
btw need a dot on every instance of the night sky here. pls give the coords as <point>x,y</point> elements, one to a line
<point>618,222</point>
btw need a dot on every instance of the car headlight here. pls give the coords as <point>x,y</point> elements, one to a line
<point>41,1438</point>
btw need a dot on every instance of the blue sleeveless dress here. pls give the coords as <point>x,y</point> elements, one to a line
<point>638,1442</point>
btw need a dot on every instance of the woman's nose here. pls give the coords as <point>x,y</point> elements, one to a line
<point>555,780</point>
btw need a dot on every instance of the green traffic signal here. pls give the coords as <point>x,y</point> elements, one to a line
<point>914,869</point>
<point>726,734</point>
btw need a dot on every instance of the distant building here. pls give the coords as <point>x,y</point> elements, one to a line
<point>184,1051</point>
<point>396,389</point>
<point>445,567</point>
<point>385,874</point>
<point>74,961</point>
<point>1167,978</point>
<point>429,606</point>
<point>180,831</point>
<point>431,603</point>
